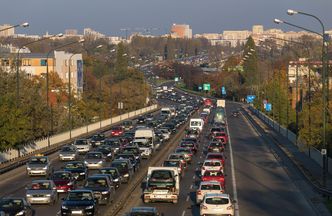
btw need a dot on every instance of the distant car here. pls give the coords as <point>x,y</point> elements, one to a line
<point>144,211</point>
<point>117,179</point>
<point>83,146</point>
<point>42,192</point>
<point>79,202</point>
<point>15,206</point>
<point>114,143</point>
<point>211,165</point>
<point>77,168</point>
<point>216,204</point>
<point>235,113</point>
<point>107,151</point>
<point>127,125</point>
<point>188,144</point>
<point>68,152</point>
<point>64,181</point>
<point>132,159</point>
<point>102,188</point>
<point>117,131</point>
<point>97,139</point>
<point>215,147</point>
<point>38,165</point>
<point>141,120</point>
<point>188,154</point>
<point>216,156</point>
<point>178,156</point>
<point>222,136</point>
<point>218,176</point>
<point>208,187</point>
<point>174,163</point>
<point>125,169</point>
<point>94,160</point>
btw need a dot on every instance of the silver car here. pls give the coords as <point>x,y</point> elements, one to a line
<point>94,160</point>
<point>41,192</point>
<point>68,153</point>
<point>83,146</point>
<point>38,165</point>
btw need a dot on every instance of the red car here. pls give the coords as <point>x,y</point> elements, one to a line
<point>216,130</point>
<point>64,181</point>
<point>216,156</point>
<point>221,136</point>
<point>216,146</point>
<point>214,175</point>
<point>117,131</point>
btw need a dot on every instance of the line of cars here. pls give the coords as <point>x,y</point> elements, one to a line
<point>93,169</point>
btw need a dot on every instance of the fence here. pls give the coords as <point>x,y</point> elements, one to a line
<point>67,136</point>
<point>311,152</point>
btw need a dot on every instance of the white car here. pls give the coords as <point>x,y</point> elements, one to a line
<point>208,187</point>
<point>212,165</point>
<point>216,204</point>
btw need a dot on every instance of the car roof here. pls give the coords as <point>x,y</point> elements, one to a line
<point>143,209</point>
<point>212,160</point>
<point>209,182</point>
<point>208,195</point>
<point>41,180</point>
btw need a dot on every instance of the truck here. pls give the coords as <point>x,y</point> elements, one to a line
<point>221,103</point>
<point>144,139</point>
<point>219,115</point>
<point>168,111</point>
<point>162,184</point>
<point>196,124</point>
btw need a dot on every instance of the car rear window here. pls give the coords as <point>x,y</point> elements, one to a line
<point>212,163</point>
<point>210,187</point>
<point>216,201</point>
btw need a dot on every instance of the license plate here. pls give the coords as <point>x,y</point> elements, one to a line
<point>76,212</point>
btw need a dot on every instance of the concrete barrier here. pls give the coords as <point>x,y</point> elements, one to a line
<point>12,154</point>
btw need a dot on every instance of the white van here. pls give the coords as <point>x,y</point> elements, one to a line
<point>196,124</point>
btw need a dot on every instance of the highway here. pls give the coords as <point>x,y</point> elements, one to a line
<point>262,186</point>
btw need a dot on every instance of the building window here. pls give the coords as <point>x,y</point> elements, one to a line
<point>43,62</point>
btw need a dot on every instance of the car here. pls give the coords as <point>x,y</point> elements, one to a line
<point>216,156</point>
<point>77,168</point>
<point>211,165</point>
<point>188,144</point>
<point>64,181</point>
<point>79,202</point>
<point>144,211</point>
<point>114,143</point>
<point>222,136</point>
<point>174,163</point>
<point>208,187</point>
<point>38,165</point>
<point>94,160</point>
<point>68,153</point>
<point>125,169</point>
<point>216,129</point>
<point>215,146</point>
<point>107,151</point>
<point>15,206</point>
<point>83,146</point>
<point>186,152</point>
<point>132,159</point>
<point>217,175</point>
<point>216,204</point>
<point>141,120</point>
<point>97,139</point>
<point>127,125</point>
<point>178,156</point>
<point>41,192</point>
<point>117,131</point>
<point>235,113</point>
<point>101,187</point>
<point>113,171</point>
<point>133,149</point>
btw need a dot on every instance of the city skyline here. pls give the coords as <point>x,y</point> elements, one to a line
<point>109,17</point>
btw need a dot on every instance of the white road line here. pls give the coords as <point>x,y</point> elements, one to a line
<point>187,198</point>
<point>58,213</point>
<point>183,213</point>
<point>191,187</point>
<point>237,210</point>
<point>194,177</point>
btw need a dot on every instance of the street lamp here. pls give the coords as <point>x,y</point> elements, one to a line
<point>24,25</point>
<point>69,89</point>
<point>18,64</point>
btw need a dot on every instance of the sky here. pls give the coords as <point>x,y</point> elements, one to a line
<point>204,16</point>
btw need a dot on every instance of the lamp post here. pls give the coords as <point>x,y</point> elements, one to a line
<point>24,25</point>
<point>18,65</point>
<point>325,78</point>
<point>69,89</point>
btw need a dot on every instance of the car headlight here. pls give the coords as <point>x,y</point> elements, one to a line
<point>28,168</point>
<point>116,180</point>
<point>126,175</point>
<point>85,162</point>
<point>20,213</point>
<point>70,184</point>
<point>61,155</point>
<point>64,207</point>
<point>109,155</point>
<point>104,192</point>
<point>89,207</point>
<point>45,168</point>
<point>28,195</point>
<point>48,195</point>
<point>82,173</point>
<point>100,162</point>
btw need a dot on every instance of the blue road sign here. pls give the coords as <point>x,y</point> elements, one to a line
<point>200,88</point>
<point>223,90</point>
<point>268,107</point>
<point>250,98</point>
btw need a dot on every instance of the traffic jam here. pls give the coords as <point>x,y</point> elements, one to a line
<point>94,169</point>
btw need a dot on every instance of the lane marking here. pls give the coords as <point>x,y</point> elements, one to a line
<point>237,210</point>
<point>183,213</point>
<point>187,198</point>
<point>191,187</point>
<point>194,177</point>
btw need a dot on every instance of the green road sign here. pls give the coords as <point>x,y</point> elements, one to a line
<point>206,87</point>
<point>176,79</point>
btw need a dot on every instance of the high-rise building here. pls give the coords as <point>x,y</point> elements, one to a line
<point>181,31</point>
<point>71,32</point>
<point>6,33</point>
<point>92,33</point>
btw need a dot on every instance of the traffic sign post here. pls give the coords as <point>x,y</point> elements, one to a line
<point>268,107</point>
<point>251,98</point>
<point>206,87</point>
<point>223,90</point>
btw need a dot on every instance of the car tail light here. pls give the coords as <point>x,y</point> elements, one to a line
<point>199,192</point>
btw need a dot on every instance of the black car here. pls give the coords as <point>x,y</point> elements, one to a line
<point>79,202</point>
<point>114,143</point>
<point>77,168</point>
<point>144,211</point>
<point>102,188</point>
<point>132,159</point>
<point>141,120</point>
<point>15,206</point>
<point>113,171</point>
<point>125,169</point>
<point>132,150</point>
<point>97,139</point>
<point>171,126</point>
<point>107,151</point>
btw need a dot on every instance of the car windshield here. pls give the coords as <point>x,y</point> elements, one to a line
<point>38,160</point>
<point>98,137</point>
<point>61,175</point>
<point>176,156</point>
<point>109,171</point>
<point>81,142</point>
<point>94,156</point>
<point>216,156</point>
<point>216,144</point>
<point>74,165</point>
<point>171,163</point>
<point>67,149</point>
<point>212,163</point>
<point>161,174</point>
<point>11,203</point>
<point>210,187</point>
<point>219,134</point>
<point>113,143</point>
<point>130,151</point>
<point>79,196</point>
<point>142,214</point>
<point>216,201</point>
<point>116,129</point>
<point>95,183</point>
<point>40,186</point>
<point>213,173</point>
<point>121,166</point>
<point>195,123</point>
